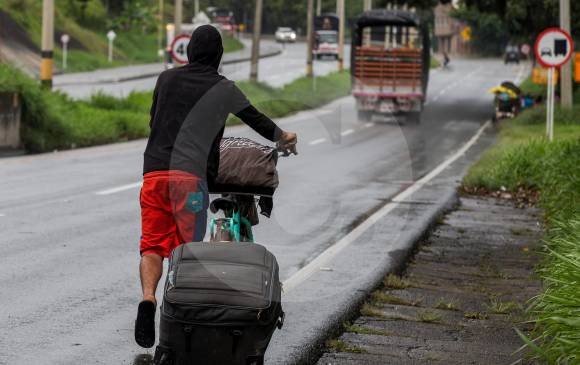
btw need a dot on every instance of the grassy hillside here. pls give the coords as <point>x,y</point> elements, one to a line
<point>136,42</point>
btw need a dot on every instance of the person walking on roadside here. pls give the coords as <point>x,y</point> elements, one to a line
<point>188,114</point>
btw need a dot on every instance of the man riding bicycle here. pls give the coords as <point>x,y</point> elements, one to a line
<point>188,114</point>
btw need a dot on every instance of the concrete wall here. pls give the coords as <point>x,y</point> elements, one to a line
<point>10,111</point>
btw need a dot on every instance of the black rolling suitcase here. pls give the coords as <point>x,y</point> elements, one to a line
<point>221,305</point>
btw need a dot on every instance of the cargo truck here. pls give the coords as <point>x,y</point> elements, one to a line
<point>390,59</point>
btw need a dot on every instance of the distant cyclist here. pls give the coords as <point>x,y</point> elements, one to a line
<point>188,114</point>
<point>445,59</point>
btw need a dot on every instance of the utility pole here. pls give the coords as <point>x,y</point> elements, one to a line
<point>161,26</point>
<point>565,69</point>
<point>340,5</point>
<point>318,7</point>
<point>367,5</point>
<point>178,16</point>
<point>47,43</point>
<point>309,38</point>
<point>256,41</point>
<point>196,7</point>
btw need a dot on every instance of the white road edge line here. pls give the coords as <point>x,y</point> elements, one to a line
<point>322,260</point>
<point>347,132</point>
<point>118,189</point>
<point>317,141</point>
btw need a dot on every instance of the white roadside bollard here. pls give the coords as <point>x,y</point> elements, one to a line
<point>64,39</point>
<point>111,35</point>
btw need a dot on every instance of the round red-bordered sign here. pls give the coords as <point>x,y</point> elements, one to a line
<point>179,49</point>
<point>553,47</point>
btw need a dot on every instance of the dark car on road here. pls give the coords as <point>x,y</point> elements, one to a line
<point>512,55</point>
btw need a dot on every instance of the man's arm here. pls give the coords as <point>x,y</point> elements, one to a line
<point>243,109</point>
<point>267,128</point>
<point>260,123</point>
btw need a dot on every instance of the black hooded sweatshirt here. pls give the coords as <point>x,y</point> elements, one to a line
<point>189,110</point>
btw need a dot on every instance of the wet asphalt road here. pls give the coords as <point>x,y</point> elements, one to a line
<point>69,265</point>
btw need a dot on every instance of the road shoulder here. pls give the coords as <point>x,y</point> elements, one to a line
<point>318,307</point>
<point>462,295</point>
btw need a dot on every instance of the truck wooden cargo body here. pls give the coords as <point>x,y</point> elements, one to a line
<point>390,59</point>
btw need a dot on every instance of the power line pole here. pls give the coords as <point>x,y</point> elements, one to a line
<point>161,26</point>
<point>340,5</point>
<point>196,7</point>
<point>566,69</point>
<point>309,38</point>
<point>367,5</point>
<point>178,16</point>
<point>47,43</point>
<point>256,41</point>
<point>318,7</point>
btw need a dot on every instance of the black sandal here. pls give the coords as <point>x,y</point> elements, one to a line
<point>145,324</point>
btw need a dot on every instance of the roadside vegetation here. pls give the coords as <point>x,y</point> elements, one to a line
<point>135,23</point>
<point>53,121</point>
<point>524,163</point>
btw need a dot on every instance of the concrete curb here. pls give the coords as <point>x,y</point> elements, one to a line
<point>314,343</point>
<point>325,301</point>
<point>156,73</point>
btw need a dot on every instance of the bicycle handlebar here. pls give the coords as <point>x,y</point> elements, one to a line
<point>286,150</point>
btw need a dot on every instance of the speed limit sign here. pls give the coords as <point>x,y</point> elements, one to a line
<point>179,49</point>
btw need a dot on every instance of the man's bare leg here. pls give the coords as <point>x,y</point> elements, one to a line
<point>150,269</point>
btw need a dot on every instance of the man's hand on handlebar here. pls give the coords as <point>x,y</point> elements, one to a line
<point>287,143</point>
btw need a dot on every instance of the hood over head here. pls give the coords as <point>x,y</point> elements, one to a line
<point>205,46</point>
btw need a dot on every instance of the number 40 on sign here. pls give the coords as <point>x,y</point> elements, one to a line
<point>179,49</point>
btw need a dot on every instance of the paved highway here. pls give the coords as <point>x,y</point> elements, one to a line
<point>70,220</point>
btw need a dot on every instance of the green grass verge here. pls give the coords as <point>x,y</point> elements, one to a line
<point>435,63</point>
<point>53,121</point>
<point>523,158</point>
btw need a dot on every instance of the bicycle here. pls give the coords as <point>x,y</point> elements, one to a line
<point>239,210</point>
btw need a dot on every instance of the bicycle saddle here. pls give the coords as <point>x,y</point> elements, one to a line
<point>223,203</point>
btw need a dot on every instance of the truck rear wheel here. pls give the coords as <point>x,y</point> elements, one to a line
<point>364,115</point>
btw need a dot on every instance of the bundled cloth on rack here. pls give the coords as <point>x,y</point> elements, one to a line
<point>247,167</point>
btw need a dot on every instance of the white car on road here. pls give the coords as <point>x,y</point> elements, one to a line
<point>284,34</point>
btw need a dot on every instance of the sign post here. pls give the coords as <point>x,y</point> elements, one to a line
<point>553,48</point>
<point>111,35</point>
<point>178,49</point>
<point>64,39</point>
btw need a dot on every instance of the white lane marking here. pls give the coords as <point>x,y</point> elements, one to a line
<point>368,125</point>
<point>347,132</point>
<point>119,189</point>
<point>317,141</point>
<point>327,255</point>
<point>454,84</point>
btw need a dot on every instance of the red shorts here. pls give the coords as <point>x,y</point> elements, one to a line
<point>173,211</point>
